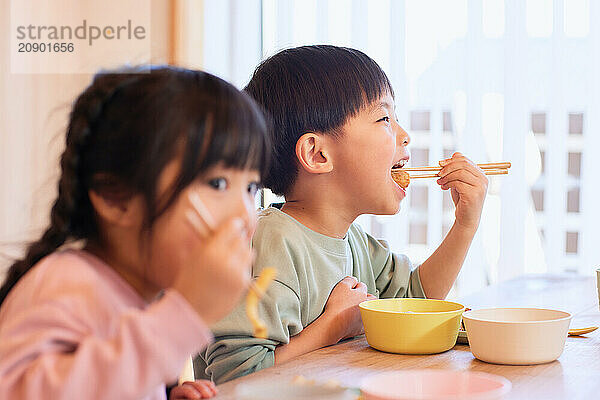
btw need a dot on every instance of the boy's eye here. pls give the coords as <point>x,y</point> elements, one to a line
<point>253,188</point>
<point>385,119</point>
<point>218,183</point>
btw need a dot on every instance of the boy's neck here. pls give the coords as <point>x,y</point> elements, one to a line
<point>320,215</point>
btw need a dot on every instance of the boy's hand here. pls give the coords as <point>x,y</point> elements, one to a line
<point>342,308</point>
<point>340,320</point>
<point>468,186</point>
<point>199,389</point>
<point>218,267</point>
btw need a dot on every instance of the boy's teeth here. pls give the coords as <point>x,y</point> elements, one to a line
<point>400,164</point>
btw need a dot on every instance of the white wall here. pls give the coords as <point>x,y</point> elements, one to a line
<point>33,117</point>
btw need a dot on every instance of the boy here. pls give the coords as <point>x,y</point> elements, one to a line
<point>335,140</point>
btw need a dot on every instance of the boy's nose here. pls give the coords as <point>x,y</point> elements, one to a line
<point>402,137</point>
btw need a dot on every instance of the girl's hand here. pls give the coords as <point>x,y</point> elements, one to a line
<point>199,389</point>
<point>468,186</point>
<point>342,308</point>
<point>217,271</point>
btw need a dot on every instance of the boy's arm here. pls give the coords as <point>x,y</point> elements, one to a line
<point>236,352</point>
<point>440,270</point>
<point>340,319</point>
<point>313,337</point>
<point>468,186</point>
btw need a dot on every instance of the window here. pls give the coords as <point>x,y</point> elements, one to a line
<point>571,243</point>
<point>448,153</point>
<point>421,52</point>
<point>418,197</point>
<point>577,18</point>
<point>538,123</point>
<point>493,18</point>
<point>420,121</point>
<point>447,121</point>
<point>575,124</point>
<point>573,200</point>
<point>538,199</point>
<point>447,203</point>
<point>419,157</point>
<point>575,164</point>
<point>417,233</point>
<point>539,18</point>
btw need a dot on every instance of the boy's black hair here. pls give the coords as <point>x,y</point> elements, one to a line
<point>123,130</point>
<point>311,89</point>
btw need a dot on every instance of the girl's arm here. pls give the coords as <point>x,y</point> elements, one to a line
<point>47,352</point>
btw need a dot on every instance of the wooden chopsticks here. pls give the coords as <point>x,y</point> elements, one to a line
<point>500,168</point>
<point>501,165</point>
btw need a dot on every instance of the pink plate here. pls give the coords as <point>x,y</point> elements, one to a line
<point>429,384</point>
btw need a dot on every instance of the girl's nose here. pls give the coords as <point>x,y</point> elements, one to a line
<point>247,212</point>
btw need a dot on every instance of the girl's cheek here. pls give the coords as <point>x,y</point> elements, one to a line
<point>252,228</point>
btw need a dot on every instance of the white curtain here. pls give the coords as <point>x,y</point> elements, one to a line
<point>468,76</point>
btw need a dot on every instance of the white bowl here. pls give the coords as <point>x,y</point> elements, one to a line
<point>517,336</point>
<point>430,384</point>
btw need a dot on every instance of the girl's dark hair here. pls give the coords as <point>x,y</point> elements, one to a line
<point>311,89</point>
<point>123,130</point>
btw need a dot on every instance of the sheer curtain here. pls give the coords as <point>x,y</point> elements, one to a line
<point>496,80</point>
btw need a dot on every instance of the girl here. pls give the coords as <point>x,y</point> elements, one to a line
<point>116,316</point>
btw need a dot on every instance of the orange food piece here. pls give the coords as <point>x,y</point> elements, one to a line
<point>401,178</point>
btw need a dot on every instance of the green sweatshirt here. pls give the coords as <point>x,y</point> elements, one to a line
<point>309,265</point>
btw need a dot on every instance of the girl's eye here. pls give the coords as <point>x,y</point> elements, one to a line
<point>253,188</point>
<point>218,183</point>
<point>385,119</point>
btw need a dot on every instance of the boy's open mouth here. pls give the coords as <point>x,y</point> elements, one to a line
<point>400,164</point>
<point>401,178</point>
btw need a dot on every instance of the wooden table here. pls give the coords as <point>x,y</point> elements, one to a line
<point>575,375</point>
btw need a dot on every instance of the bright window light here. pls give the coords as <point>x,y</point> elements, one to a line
<point>539,18</point>
<point>493,18</point>
<point>577,18</point>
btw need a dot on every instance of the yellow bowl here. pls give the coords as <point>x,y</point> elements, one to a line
<point>411,326</point>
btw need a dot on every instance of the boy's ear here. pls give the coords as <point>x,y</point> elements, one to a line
<point>313,155</point>
<point>123,212</point>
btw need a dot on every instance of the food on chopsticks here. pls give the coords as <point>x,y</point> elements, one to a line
<point>257,290</point>
<point>402,176</point>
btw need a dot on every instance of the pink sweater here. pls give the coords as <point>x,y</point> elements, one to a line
<point>72,328</point>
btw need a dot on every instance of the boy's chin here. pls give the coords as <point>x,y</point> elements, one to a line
<point>387,209</point>
<point>394,210</point>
